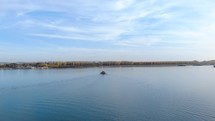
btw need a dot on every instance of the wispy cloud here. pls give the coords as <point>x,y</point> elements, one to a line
<point>123,4</point>
<point>124,24</point>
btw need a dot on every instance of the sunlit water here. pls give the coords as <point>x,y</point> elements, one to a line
<point>124,94</point>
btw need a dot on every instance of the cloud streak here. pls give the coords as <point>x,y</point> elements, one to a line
<point>121,24</point>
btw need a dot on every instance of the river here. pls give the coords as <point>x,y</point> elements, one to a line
<point>123,94</point>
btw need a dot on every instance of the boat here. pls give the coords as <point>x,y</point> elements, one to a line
<point>103,73</point>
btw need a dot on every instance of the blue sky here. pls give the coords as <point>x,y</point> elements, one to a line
<point>138,30</point>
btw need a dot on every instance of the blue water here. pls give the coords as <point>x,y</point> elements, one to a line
<point>124,94</point>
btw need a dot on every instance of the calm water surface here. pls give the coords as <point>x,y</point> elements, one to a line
<point>124,94</point>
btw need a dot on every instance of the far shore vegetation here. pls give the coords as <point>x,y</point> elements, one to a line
<point>83,64</point>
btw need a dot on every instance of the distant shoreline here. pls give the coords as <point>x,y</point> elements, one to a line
<point>86,64</point>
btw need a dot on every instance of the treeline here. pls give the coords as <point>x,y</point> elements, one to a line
<point>80,64</point>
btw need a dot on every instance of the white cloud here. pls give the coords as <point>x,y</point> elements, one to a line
<point>123,4</point>
<point>123,23</point>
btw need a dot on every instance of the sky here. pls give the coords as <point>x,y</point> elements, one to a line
<point>103,30</point>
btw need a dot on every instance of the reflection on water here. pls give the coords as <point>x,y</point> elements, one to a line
<point>124,94</point>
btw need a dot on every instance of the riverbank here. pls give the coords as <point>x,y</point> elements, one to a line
<point>85,64</point>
